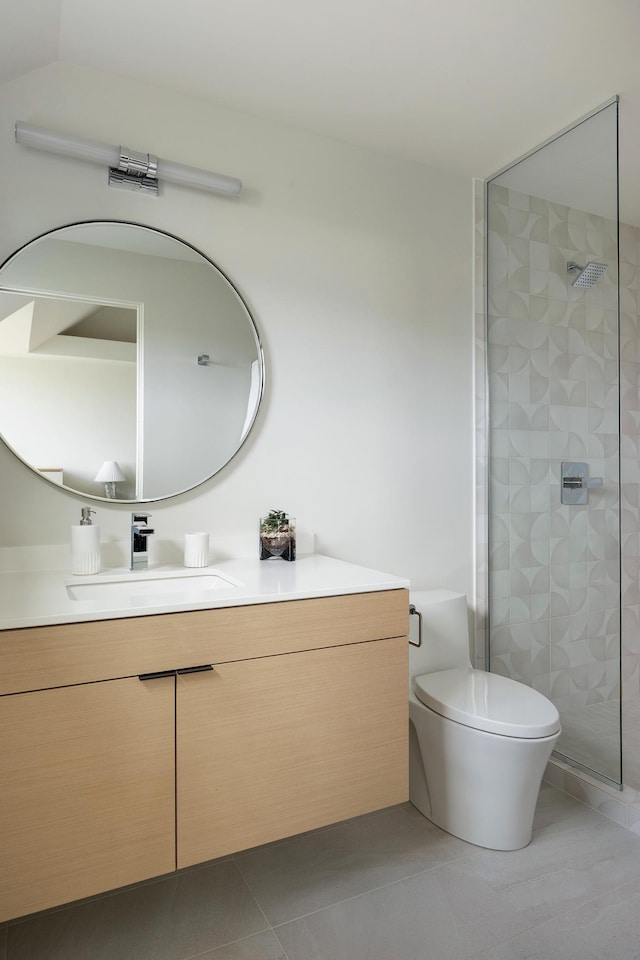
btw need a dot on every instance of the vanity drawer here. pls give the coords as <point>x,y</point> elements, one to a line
<point>36,658</point>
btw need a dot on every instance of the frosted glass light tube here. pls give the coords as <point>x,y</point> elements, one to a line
<point>51,141</point>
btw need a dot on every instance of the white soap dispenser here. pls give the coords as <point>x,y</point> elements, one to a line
<point>85,545</point>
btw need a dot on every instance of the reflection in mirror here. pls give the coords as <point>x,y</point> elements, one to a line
<point>101,328</point>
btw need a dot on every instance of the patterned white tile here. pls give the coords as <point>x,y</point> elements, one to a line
<point>572,365</point>
<point>563,348</point>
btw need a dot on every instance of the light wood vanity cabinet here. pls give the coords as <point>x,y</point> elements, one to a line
<point>272,747</point>
<point>108,780</point>
<point>86,791</point>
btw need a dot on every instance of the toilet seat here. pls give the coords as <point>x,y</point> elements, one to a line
<point>488,702</point>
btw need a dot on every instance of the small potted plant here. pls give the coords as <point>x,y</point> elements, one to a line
<point>277,536</point>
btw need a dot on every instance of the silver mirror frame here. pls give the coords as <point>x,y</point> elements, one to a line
<point>242,303</point>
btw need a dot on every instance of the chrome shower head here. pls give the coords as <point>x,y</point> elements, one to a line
<point>588,275</point>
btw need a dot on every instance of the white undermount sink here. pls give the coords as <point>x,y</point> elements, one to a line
<point>150,588</point>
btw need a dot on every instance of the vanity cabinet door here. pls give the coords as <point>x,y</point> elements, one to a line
<point>271,747</point>
<point>87,778</point>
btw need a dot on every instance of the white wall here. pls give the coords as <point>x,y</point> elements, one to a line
<point>357,269</point>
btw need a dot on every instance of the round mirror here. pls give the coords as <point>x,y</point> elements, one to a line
<point>130,367</point>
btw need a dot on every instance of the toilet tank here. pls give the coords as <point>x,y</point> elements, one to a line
<point>445,632</point>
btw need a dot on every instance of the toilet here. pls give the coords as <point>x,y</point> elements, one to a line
<point>478,742</point>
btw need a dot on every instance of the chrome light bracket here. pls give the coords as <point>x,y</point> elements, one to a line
<point>135,171</point>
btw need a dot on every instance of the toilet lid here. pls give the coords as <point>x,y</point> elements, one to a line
<point>489,702</point>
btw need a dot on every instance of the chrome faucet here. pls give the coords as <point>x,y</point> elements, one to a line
<point>139,533</point>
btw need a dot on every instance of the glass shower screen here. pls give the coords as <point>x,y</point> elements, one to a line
<point>554,434</point>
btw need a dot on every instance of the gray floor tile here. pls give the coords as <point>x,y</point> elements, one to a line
<point>563,867</point>
<point>264,946</point>
<point>446,913</point>
<point>554,806</point>
<point>389,886</point>
<point>169,920</point>
<point>605,929</point>
<point>292,879</point>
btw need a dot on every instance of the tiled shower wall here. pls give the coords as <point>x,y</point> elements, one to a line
<point>553,385</point>
<point>553,371</point>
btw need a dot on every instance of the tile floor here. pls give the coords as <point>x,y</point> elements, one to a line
<point>389,886</point>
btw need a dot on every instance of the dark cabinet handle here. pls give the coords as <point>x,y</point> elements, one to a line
<point>157,675</point>
<point>202,668</point>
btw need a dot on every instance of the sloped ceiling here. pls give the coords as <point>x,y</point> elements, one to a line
<point>465,85</point>
<point>29,36</point>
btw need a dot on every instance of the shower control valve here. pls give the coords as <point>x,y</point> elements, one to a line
<point>576,482</point>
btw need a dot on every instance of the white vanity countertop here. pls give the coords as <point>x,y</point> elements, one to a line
<point>31,598</point>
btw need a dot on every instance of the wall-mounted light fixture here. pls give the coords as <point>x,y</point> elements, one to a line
<point>127,168</point>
